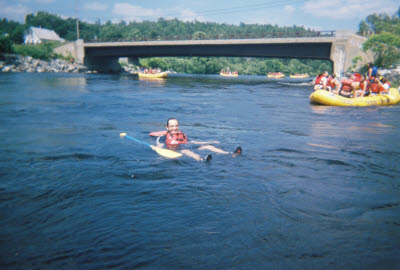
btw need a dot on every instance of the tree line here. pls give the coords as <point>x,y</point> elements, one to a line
<point>162,28</point>
<point>384,41</point>
<point>383,32</point>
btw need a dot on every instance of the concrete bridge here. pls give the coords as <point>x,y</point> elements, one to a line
<point>103,56</point>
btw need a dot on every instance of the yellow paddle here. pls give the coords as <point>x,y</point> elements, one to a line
<point>161,151</point>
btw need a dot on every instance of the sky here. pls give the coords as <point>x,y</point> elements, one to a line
<point>320,15</point>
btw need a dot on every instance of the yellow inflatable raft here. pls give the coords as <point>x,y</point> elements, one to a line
<point>279,76</point>
<point>153,75</point>
<point>229,74</point>
<point>300,76</point>
<point>324,97</point>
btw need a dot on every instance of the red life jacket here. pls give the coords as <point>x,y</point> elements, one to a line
<point>346,85</point>
<point>357,77</point>
<point>329,82</point>
<point>173,140</point>
<point>318,79</point>
<point>374,87</point>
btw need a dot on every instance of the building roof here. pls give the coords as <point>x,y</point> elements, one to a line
<point>45,34</point>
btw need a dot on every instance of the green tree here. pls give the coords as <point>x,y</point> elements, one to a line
<point>6,45</point>
<point>386,48</point>
<point>199,35</point>
<point>42,51</point>
<point>13,30</point>
<point>378,23</point>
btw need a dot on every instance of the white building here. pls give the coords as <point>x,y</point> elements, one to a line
<point>36,35</point>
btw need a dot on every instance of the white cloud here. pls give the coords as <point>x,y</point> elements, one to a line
<point>187,15</point>
<point>95,6</point>
<point>348,9</point>
<point>128,12</point>
<point>45,1</point>
<point>289,9</point>
<point>13,12</point>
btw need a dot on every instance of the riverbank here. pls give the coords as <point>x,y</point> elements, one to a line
<point>392,75</point>
<point>17,63</point>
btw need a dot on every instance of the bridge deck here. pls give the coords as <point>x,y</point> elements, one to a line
<point>317,48</point>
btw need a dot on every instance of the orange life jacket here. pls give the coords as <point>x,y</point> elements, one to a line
<point>173,140</point>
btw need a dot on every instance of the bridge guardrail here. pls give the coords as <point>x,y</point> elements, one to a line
<point>310,34</point>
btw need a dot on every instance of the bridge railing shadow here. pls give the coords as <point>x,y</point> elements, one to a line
<point>304,34</point>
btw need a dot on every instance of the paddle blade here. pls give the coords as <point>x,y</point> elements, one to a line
<point>166,152</point>
<point>122,135</point>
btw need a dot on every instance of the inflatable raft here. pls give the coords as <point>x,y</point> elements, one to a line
<point>153,75</point>
<point>279,76</point>
<point>324,97</point>
<point>229,74</point>
<point>300,76</point>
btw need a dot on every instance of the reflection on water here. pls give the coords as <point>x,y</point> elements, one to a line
<point>372,128</point>
<point>321,145</point>
<point>326,129</point>
<point>152,82</point>
<point>75,83</point>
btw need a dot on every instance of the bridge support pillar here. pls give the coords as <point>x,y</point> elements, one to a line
<point>133,60</point>
<point>338,58</point>
<point>344,50</point>
<point>103,64</point>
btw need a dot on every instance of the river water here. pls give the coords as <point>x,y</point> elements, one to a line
<point>315,188</point>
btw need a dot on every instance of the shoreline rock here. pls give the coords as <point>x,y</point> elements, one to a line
<point>391,75</point>
<point>17,63</point>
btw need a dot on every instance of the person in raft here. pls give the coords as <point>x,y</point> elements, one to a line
<point>173,137</point>
<point>320,81</point>
<point>372,72</point>
<point>362,87</point>
<point>333,83</point>
<point>380,86</point>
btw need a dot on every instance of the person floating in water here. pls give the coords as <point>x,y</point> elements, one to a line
<point>173,137</point>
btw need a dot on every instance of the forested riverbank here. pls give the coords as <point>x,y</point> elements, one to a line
<point>381,30</point>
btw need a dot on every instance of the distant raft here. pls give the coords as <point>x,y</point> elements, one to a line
<point>302,76</point>
<point>229,74</point>
<point>276,76</point>
<point>324,97</point>
<point>153,75</point>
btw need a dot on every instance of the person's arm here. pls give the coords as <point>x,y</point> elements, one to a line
<point>380,84</point>
<point>161,141</point>
<point>386,87</point>
<point>324,82</point>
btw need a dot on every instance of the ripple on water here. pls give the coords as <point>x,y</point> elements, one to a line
<point>311,179</point>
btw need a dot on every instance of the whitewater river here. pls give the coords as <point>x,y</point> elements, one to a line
<point>315,188</point>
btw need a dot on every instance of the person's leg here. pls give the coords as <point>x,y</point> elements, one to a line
<point>195,156</point>
<point>318,87</point>
<point>213,149</point>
